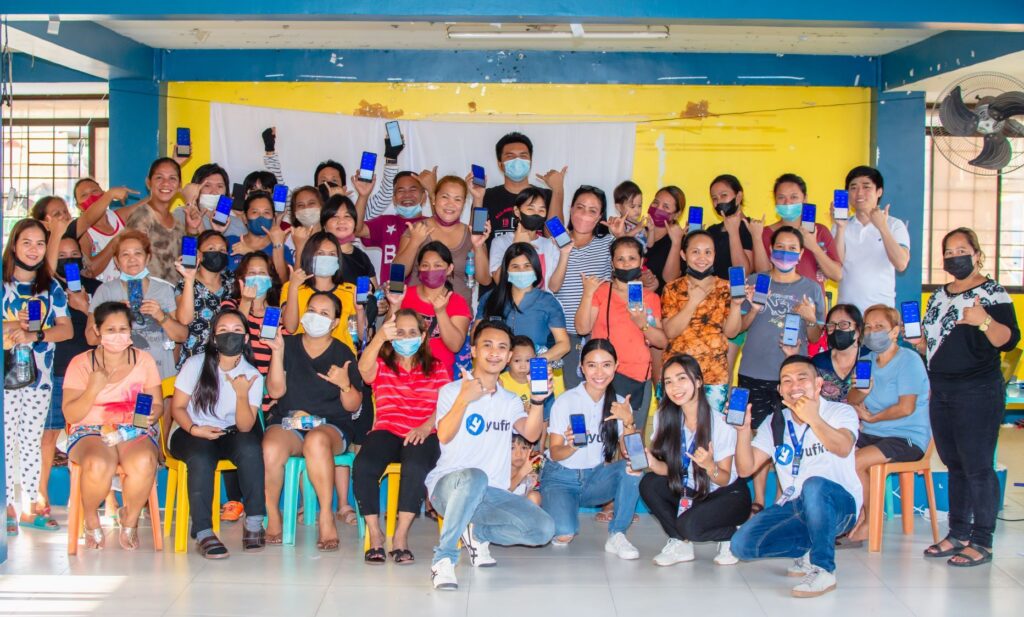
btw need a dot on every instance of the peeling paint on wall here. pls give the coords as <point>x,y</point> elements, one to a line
<point>695,110</point>
<point>472,106</point>
<point>375,110</point>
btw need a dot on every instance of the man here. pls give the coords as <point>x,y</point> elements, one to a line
<point>476,417</point>
<point>872,246</point>
<point>515,158</point>
<point>812,444</point>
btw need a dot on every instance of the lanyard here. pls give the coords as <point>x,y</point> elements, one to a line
<point>797,445</point>
<point>687,455</point>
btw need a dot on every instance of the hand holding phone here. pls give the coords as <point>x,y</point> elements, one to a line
<point>911,312</point>
<point>367,165</point>
<point>394,134</point>
<point>696,220</point>
<point>634,443</point>
<point>558,233</point>
<point>538,376</point>
<point>791,331</point>
<point>578,424</point>
<point>271,321</point>
<point>35,315</point>
<point>479,176</point>
<point>479,223</point>
<point>761,287</point>
<point>635,295</point>
<point>808,217</point>
<point>396,283</point>
<point>189,251</point>
<point>737,282</point>
<point>737,411</point>
<point>223,212</point>
<point>862,379</point>
<point>841,205</point>
<point>73,277</point>
<point>280,198</point>
<point>143,409</point>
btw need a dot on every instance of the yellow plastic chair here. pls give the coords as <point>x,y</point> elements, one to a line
<point>391,475</point>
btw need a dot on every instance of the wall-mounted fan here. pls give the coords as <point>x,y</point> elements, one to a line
<point>979,133</point>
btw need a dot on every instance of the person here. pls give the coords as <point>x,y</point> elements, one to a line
<point>101,387</point>
<point>338,218</point>
<point>384,231</point>
<point>304,207</point>
<point>844,328</point>
<point>872,245</point>
<point>28,278</point>
<point>156,329</point>
<point>531,213</point>
<point>665,236</point>
<point>516,378</point>
<point>525,470</point>
<point>98,225</point>
<point>201,290</point>
<point>699,316</point>
<point>528,310</point>
<point>734,246</point>
<point>575,476</point>
<point>636,328</point>
<point>476,418</point>
<point>263,234</point>
<point>374,206</point>
<point>329,178</point>
<point>217,396</point>
<point>966,325</point>
<point>629,203</point>
<point>209,182</point>
<point>692,487</point>
<point>406,379</point>
<point>894,410</point>
<point>319,270</point>
<point>53,213</point>
<point>514,152</point>
<point>311,374</point>
<point>813,451</point>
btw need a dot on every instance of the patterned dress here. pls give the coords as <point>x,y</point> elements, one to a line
<point>206,304</point>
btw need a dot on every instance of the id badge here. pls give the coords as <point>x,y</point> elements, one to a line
<point>684,504</point>
<point>786,495</point>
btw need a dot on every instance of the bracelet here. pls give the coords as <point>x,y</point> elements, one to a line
<point>190,427</point>
<point>537,403</point>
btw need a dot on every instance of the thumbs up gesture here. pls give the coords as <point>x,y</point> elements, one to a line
<point>974,315</point>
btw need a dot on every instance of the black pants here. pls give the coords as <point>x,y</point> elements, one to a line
<point>639,393</point>
<point>965,417</point>
<point>712,519</point>
<point>380,449</point>
<point>764,398</point>
<point>201,456</point>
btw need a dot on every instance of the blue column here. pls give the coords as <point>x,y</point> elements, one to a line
<point>136,129</point>
<point>897,150</point>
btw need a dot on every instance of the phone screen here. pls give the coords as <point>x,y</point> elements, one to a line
<point>911,311</point>
<point>396,284</point>
<point>271,320</point>
<point>280,198</point>
<point>143,407</point>
<point>362,289</point>
<point>479,220</point>
<point>479,176</point>
<point>791,333</point>
<point>635,295</point>
<point>737,412</point>
<point>538,376</point>
<point>183,145</point>
<point>73,276</point>
<point>367,165</point>
<point>809,214</point>
<point>696,218</point>
<point>223,210</point>
<point>558,233</point>
<point>863,374</point>
<point>737,282</point>
<point>635,448</point>
<point>35,315</point>
<point>394,133</point>
<point>761,286</point>
<point>189,248</point>
<point>578,423</point>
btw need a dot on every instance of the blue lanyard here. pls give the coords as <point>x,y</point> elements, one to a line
<point>687,454</point>
<point>797,445</point>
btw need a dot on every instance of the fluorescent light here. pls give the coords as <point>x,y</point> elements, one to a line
<point>475,33</point>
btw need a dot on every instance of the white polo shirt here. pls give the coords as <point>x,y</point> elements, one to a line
<point>868,275</point>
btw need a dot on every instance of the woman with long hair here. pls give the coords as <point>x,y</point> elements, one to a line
<point>319,269</point>
<point>201,291</point>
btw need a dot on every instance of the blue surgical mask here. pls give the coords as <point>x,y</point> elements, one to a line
<point>135,277</point>
<point>522,280</point>
<point>785,261</point>
<point>260,225</point>
<point>261,282</point>
<point>406,347</point>
<point>789,212</point>
<point>409,212</point>
<point>517,169</point>
<point>325,265</point>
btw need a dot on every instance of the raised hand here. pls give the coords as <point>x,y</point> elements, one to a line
<point>242,384</point>
<point>880,217</point>
<point>756,227</point>
<point>363,187</point>
<point>806,310</point>
<point>973,315</point>
<point>297,278</point>
<point>621,411</point>
<point>472,388</point>
<point>337,376</point>
<point>590,283</point>
<point>428,180</point>
<point>475,190</point>
<point>554,178</point>
<point>479,240</point>
<point>440,301</point>
<point>389,330</point>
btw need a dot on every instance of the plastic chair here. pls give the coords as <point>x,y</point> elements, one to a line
<point>876,492</point>
<point>76,511</point>
<point>390,479</point>
<point>294,471</point>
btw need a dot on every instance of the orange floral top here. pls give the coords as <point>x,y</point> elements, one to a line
<point>703,338</point>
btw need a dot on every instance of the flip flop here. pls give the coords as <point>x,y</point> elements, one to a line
<point>347,515</point>
<point>934,552</point>
<point>968,561</point>
<point>846,542</point>
<point>41,522</point>
<point>328,546</point>
<point>375,556</point>
<point>402,556</point>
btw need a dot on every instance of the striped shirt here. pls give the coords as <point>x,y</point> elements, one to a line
<point>260,350</point>
<point>405,399</point>
<point>594,260</point>
<point>380,202</point>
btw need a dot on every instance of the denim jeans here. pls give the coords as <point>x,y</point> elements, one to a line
<point>463,497</point>
<point>564,490</point>
<point>811,522</point>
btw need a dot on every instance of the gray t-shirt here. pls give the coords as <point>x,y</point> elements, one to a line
<point>235,225</point>
<point>762,354</point>
<point>149,335</point>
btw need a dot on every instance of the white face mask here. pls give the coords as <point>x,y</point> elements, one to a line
<point>308,217</point>
<point>315,324</point>
<point>209,202</point>
<point>325,265</point>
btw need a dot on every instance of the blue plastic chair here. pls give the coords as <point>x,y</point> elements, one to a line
<point>294,471</point>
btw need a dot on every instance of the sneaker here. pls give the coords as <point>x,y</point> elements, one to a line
<point>801,566</point>
<point>232,511</point>
<point>479,552</point>
<point>618,544</point>
<point>442,575</point>
<point>817,582</point>
<point>725,556</point>
<point>675,551</point>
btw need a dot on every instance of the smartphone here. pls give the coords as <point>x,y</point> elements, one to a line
<point>841,204</point>
<point>696,219</point>
<point>280,198</point>
<point>558,233</point>
<point>394,134</point>
<point>479,220</point>
<point>367,165</point>
<point>35,315</point>
<point>73,277</point>
<point>737,412</point>
<point>143,408</point>
<point>223,212</point>
<point>862,380</point>
<point>807,219</point>
<point>578,423</point>
<point>271,320</point>
<point>634,443</point>
<point>479,176</point>
<point>183,143</point>
<point>238,196</point>
<point>396,282</point>
<point>189,250</point>
<point>761,286</point>
<point>362,289</point>
<point>737,282</point>
<point>135,301</point>
<point>538,376</point>
<point>791,330</point>
<point>911,312</point>
<point>635,295</point>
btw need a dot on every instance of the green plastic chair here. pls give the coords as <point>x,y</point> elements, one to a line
<point>294,472</point>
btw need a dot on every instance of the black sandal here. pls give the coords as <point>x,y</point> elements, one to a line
<point>211,547</point>
<point>934,552</point>
<point>375,556</point>
<point>970,562</point>
<point>254,541</point>
<point>402,556</point>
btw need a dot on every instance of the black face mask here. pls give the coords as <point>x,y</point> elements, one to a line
<point>727,208</point>
<point>215,261</point>
<point>960,267</point>
<point>64,261</point>
<point>532,222</point>
<point>630,274</point>
<point>24,266</point>
<point>841,339</point>
<point>229,343</point>
<point>700,275</point>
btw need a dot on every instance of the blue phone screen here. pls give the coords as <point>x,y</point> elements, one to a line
<point>280,193</point>
<point>578,423</point>
<point>864,369</point>
<point>738,399</point>
<point>35,310</point>
<point>189,246</point>
<point>762,283</point>
<point>478,172</point>
<point>737,277</point>
<point>539,369</point>
<point>71,272</point>
<point>143,404</point>
<point>911,312</point>
<point>363,285</point>
<point>841,199</point>
<point>636,292</point>
<point>369,161</point>
<point>555,227</point>
<point>272,317</point>
<point>184,136</point>
<point>809,213</point>
<point>696,215</point>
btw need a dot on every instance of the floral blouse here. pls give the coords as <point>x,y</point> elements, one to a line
<point>704,337</point>
<point>206,304</point>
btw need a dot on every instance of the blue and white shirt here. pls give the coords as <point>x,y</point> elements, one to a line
<point>55,305</point>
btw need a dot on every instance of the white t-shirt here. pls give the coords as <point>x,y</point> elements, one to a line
<point>224,415</point>
<point>578,401</point>
<point>723,445</point>
<point>868,275</point>
<point>100,241</point>
<point>484,440</point>
<point>817,462</point>
<point>547,251</point>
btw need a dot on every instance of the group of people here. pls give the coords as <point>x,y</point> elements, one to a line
<point>435,368</point>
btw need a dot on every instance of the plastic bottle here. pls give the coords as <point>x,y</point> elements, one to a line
<point>120,435</point>
<point>301,423</point>
<point>470,270</point>
<point>24,364</point>
<point>353,329</point>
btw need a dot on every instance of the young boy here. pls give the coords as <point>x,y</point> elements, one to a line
<point>525,469</point>
<point>516,379</point>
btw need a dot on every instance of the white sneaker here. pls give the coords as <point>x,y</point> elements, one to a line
<point>817,582</point>
<point>442,574</point>
<point>479,552</point>
<point>801,566</point>
<point>618,544</point>
<point>725,556</point>
<point>675,551</point>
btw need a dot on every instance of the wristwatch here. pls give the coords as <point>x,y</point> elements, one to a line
<point>983,327</point>
<point>39,336</point>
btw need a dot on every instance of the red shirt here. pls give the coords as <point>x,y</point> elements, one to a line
<point>404,400</point>
<point>457,307</point>
<point>385,233</point>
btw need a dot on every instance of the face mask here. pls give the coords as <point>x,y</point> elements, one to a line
<point>315,324</point>
<point>660,218</point>
<point>517,169</point>
<point>135,277</point>
<point>789,212</point>
<point>785,261</point>
<point>308,217</point>
<point>215,261</point>
<point>260,225</point>
<point>532,222</point>
<point>209,202</point>
<point>877,341</point>
<point>325,265</point>
<point>443,223</point>
<point>408,212</point>
<point>229,343</point>
<point>261,282</point>
<point>522,280</point>
<point>406,347</point>
<point>959,267</point>
<point>24,266</point>
<point>63,262</point>
<point>90,200</point>
<point>116,342</point>
<point>626,275</point>
<point>433,279</point>
<point>841,339</point>
<point>727,208</point>
<point>698,274</point>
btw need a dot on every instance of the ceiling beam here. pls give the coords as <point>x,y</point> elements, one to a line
<point>85,47</point>
<point>945,52</point>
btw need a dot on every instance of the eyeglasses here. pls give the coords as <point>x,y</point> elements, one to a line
<point>845,326</point>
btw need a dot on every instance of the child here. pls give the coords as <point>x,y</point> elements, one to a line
<point>629,202</point>
<point>516,379</point>
<point>525,469</point>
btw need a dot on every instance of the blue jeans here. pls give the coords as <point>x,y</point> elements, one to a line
<point>564,490</point>
<point>463,497</point>
<point>811,522</point>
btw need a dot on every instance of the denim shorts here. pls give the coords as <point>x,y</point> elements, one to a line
<point>55,417</point>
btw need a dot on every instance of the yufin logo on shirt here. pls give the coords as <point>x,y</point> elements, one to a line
<point>475,424</point>
<point>784,454</point>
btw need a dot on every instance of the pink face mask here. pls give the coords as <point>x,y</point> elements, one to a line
<point>116,342</point>
<point>660,218</point>
<point>432,279</point>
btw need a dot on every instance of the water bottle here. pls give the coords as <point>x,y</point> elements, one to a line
<point>650,318</point>
<point>470,270</point>
<point>353,330</point>
<point>22,371</point>
<point>301,423</point>
<point>120,435</point>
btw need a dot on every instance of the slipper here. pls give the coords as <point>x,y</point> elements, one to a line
<point>276,538</point>
<point>968,561</point>
<point>604,516</point>
<point>934,552</point>
<point>41,522</point>
<point>375,556</point>
<point>846,542</point>
<point>347,515</point>
<point>402,556</point>
<point>328,546</point>
<point>12,527</point>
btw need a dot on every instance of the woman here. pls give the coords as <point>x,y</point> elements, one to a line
<point>894,410</point>
<point>201,291</point>
<point>587,255</point>
<point>691,487</point>
<point>209,183</point>
<point>967,324</point>
<point>98,225</point>
<point>405,378</point>
<point>311,374</point>
<point>605,313</point>
<point>151,301</point>
<point>338,218</point>
<point>517,300</point>
<point>700,315</point>
<point>263,235</point>
<point>844,329</point>
<point>531,210</point>
<point>100,391</point>
<point>445,313</point>
<point>304,214</point>
<point>734,246</point>
<point>577,476</point>
<point>28,278</point>
<point>216,404</point>
<point>665,236</point>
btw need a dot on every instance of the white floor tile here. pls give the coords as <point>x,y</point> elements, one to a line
<point>254,598</point>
